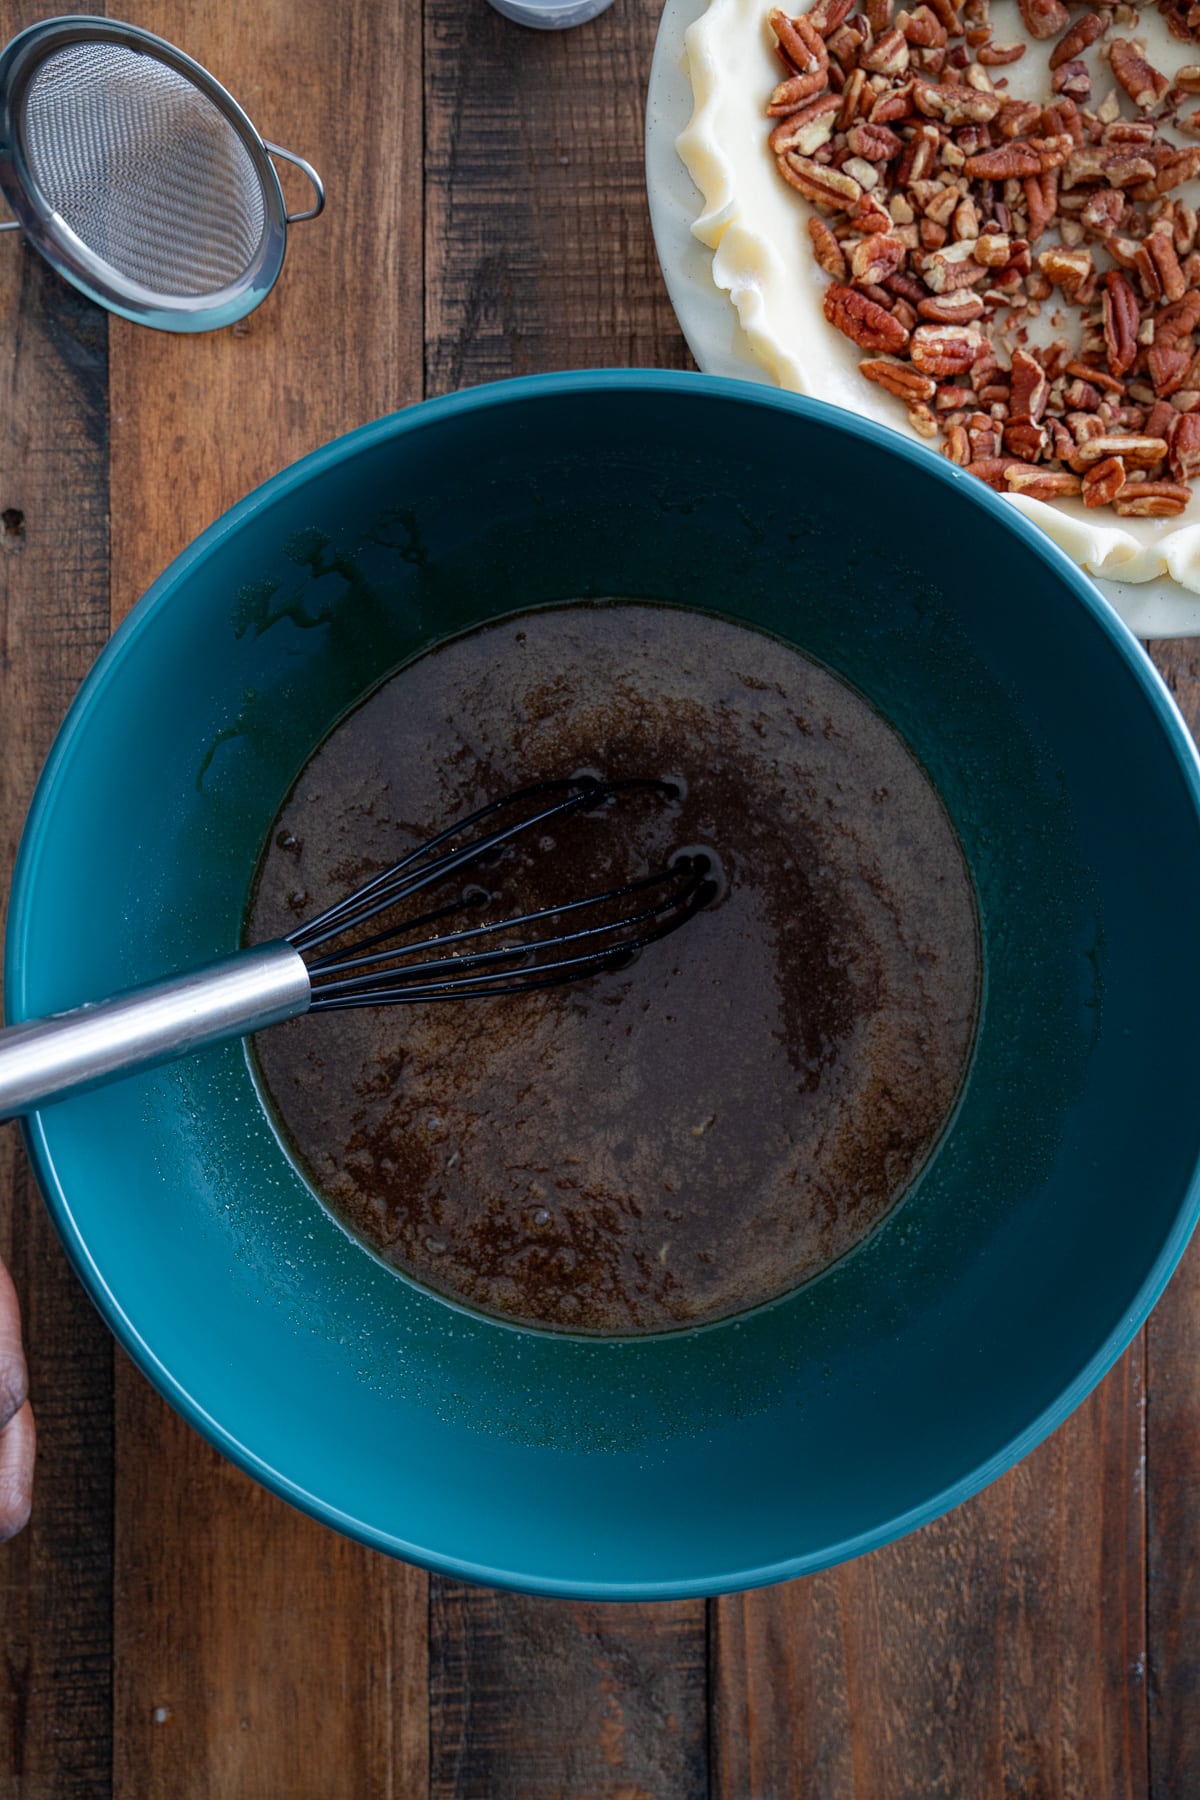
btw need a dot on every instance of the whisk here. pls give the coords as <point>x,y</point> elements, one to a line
<point>332,961</point>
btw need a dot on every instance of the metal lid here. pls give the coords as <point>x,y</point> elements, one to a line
<point>138,177</point>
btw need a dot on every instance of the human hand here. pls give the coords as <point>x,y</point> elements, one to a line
<point>18,1439</point>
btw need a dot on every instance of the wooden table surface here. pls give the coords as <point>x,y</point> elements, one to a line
<point>168,1628</point>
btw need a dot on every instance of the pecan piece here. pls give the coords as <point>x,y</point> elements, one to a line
<point>1041,201</point>
<point>876,257</point>
<point>1042,484</point>
<point>1030,389</point>
<point>827,187</point>
<point>875,143</point>
<point>1152,499</point>
<point>1135,452</point>
<point>862,321</point>
<point>907,384</point>
<point>1081,36</point>
<point>994,470</point>
<point>1044,18</point>
<point>1185,446</point>
<point>955,105</point>
<point>806,130</point>
<point>1101,211</point>
<point>925,30</point>
<point>889,56</point>
<point>1140,79</point>
<point>826,249</point>
<point>945,349</point>
<point>955,266</point>
<point>960,307</point>
<point>828,15</point>
<point>1159,248</point>
<point>1025,439</point>
<point>1009,162</point>
<point>998,56</point>
<point>1069,270</point>
<point>1072,80</point>
<point>1169,357</point>
<point>800,43</point>
<point>1103,482</point>
<point>1187,78</point>
<point>1121,323</point>
<point>1182,165</point>
<point>792,94</point>
<point>1017,117</point>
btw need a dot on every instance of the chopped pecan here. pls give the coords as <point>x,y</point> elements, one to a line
<point>945,349</point>
<point>1097,377</point>
<point>1187,79</point>
<point>1023,438</point>
<point>1103,482</point>
<point>1180,166</point>
<point>1081,36</point>
<point>875,143</point>
<point>1121,322</point>
<point>1041,484</point>
<point>862,320</point>
<point>952,267</point>
<point>1152,499</point>
<point>907,384</point>
<point>1069,270</point>
<point>828,15</point>
<point>1142,82</point>
<point>1111,164</point>
<point>1030,389</point>
<point>889,56</point>
<point>925,30</point>
<point>1008,162</point>
<point>790,95</point>
<point>806,130</point>
<point>955,105</point>
<point>826,249</point>
<point>1160,253</point>
<point>1101,212</point>
<point>994,470</point>
<point>1044,18</point>
<point>889,108</point>
<point>1135,452</point>
<point>1170,355</point>
<point>1041,201</point>
<point>879,15</point>
<point>876,257</point>
<point>826,187</point>
<point>1072,80</point>
<point>959,308</point>
<point>998,56</point>
<point>1185,446</point>
<point>1017,118</point>
<point>799,41</point>
<point>957,446</point>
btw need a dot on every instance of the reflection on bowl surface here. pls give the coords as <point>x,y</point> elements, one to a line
<point>978,1312</point>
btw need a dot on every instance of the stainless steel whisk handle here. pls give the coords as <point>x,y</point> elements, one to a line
<point>47,1059</point>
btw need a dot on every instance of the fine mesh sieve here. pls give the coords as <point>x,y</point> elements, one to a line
<point>138,177</point>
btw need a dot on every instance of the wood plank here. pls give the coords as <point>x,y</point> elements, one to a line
<point>535,1699</point>
<point>256,1652</point>
<point>999,1651</point>
<point>539,247</point>
<point>56,1596</point>
<point>1173,1448</point>
<point>540,257</point>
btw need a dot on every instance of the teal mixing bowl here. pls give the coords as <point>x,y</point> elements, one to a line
<point>993,1298</point>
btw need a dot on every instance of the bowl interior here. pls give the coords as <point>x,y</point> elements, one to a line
<point>990,1300</point>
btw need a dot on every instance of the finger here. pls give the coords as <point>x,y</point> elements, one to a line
<point>13,1376</point>
<point>18,1448</point>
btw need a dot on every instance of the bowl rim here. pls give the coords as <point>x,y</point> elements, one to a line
<point>159,595</point>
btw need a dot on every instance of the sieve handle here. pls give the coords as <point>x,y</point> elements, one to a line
<point>305,168</point>
<point>47,1059</point>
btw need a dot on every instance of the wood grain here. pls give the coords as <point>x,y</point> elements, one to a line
<point>56,1590</point>
<point>1173,1448</point>
<point>1000,1651</point>
<point>539,256</point>
<point>258,1654</point>
<point>534,1699</point>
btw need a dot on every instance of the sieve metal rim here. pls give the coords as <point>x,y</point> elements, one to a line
<point>50,234</point>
